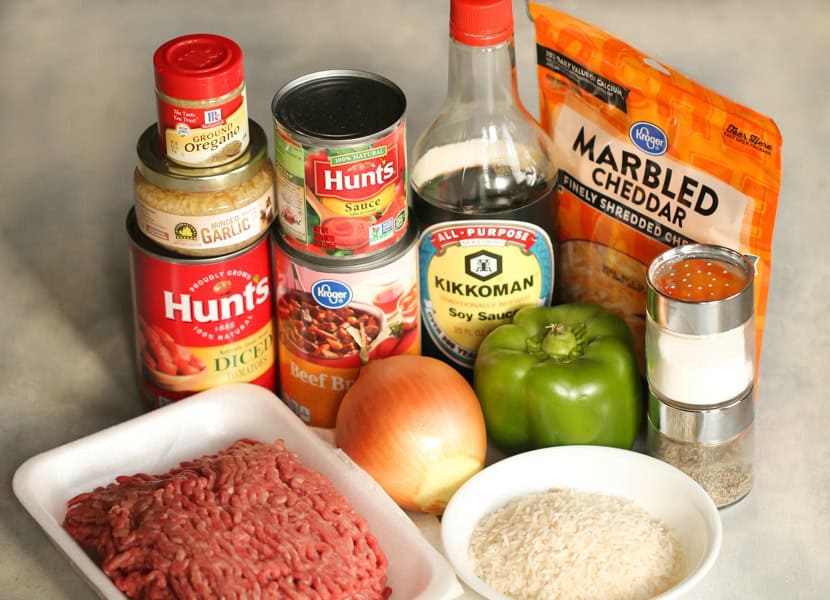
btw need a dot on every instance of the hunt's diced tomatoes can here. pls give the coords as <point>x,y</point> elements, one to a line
<point>334,316</point>
<point>340,154</point>
<point>200,322</point>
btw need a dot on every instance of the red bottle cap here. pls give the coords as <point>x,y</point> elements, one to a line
<point>481,22</point>
<point>201,66</point>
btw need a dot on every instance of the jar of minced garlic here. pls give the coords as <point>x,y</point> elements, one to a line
<point>206,211</point>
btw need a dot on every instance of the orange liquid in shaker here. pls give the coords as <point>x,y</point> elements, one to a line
<point>700,280</point>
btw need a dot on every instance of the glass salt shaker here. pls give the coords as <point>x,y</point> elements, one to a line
<point>700,362</point>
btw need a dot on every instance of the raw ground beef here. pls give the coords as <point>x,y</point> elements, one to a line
<point>248,522</point>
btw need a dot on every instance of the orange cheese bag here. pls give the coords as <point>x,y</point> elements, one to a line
<point>647,159</point>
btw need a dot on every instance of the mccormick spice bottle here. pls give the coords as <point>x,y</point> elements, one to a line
<point>202,110</point>
<point>482,182</point>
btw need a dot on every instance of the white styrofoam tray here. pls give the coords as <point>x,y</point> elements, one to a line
<point>203,424</point>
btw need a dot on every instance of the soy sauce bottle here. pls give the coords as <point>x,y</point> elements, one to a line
<point>482,182</point>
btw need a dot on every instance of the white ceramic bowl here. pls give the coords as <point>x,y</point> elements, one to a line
<point>661,489</point>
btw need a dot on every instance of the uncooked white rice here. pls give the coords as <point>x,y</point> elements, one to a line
<point>575,545</point>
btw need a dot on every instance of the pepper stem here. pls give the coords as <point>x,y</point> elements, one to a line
<point>561,342</point>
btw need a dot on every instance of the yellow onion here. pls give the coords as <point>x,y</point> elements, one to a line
<point>415,425</point>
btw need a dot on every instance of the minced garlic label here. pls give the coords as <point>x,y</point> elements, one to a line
<point>210,232</point>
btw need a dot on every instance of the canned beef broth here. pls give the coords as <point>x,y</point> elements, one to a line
<point>333,317</point>
<point>340,154</point>
<point>200,322</point>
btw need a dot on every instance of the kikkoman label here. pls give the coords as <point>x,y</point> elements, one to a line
<point>475,275</point>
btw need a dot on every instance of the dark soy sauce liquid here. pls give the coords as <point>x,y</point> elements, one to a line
<point>484,194</point>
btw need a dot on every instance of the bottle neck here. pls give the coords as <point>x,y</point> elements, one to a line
<point>484,76</point>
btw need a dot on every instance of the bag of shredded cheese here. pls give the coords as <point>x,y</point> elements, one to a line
<point>647,159</point>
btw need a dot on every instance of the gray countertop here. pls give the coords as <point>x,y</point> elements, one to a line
<point>79,89</point>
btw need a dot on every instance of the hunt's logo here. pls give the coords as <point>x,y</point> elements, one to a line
<point>357,175</point>
<point>329,293</point>
<point>649,138</point>
<point>184,308</point>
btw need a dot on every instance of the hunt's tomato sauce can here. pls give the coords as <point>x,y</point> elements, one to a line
<point>200,322</point>
<point>333,316</point>
<point>340,153</point>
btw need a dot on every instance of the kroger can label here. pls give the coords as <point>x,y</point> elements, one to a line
<point>333,316</point>
<point>200,323</point>
<point>340,154</point>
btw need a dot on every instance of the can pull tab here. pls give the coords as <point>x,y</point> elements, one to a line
<point>753,260</point>
<point>298,283</point>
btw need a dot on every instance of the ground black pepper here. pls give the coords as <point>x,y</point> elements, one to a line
<point>723,469</point>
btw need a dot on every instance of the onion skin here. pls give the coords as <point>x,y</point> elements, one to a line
<point>416,426</point>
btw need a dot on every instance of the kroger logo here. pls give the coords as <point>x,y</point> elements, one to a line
<point>331,294</point>
<point>649,138</point>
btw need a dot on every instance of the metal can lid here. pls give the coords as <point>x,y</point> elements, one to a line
<point>704,312</point>
<point>338,106</point>
<point>199,66</point>
<point>702,424</point>
<point>158,170</point>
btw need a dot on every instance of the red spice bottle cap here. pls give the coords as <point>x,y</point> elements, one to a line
<point>481,22</point>
<point>198,67</point>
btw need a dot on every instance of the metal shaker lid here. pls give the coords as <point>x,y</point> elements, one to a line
<point>700,315</point>
<point>702,424</point>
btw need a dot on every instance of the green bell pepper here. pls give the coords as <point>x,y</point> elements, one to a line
<point>560,375</point>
